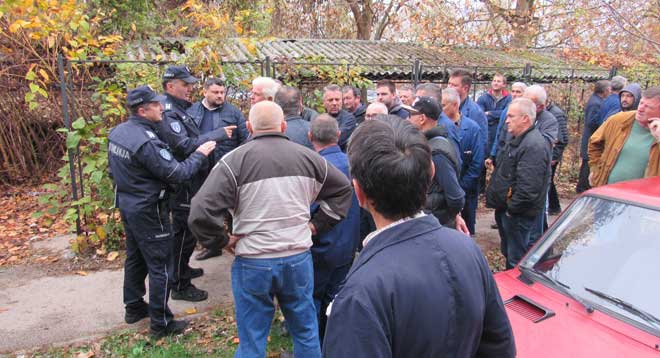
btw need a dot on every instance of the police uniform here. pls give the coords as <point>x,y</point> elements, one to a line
<point>182,134</point>
<point>142,167</point>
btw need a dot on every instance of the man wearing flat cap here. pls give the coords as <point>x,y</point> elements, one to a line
<point>182,134</point>
<point>142,167</point>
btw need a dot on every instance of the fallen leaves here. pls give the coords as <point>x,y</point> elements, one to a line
<point>191,310</point>
<point>112,256</point>
<point>81,273</point>
<point>18,227</point>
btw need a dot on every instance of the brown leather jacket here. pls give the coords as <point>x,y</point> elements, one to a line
<point>606,144</point>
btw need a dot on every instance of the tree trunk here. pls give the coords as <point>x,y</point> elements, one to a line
<point>363,15</point>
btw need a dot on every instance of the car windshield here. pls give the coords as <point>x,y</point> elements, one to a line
<point>606,252</point>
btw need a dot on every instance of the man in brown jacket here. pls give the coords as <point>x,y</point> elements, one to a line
<point>623,148</point>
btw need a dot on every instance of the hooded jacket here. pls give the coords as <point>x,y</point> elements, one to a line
<point>636,90</point>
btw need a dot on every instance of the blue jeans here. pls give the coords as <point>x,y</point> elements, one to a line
<point>515,232</point>
<point>255,282</point>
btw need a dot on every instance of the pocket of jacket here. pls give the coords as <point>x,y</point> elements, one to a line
<point>256,280</point>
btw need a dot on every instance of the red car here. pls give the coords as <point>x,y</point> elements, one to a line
<point>591,286</point>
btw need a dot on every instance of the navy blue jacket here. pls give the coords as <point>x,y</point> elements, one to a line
<point>453,133</point>
<point>225,115</point>
<point>472,155</point>
<point>142,166</point>
<point>399,111</point>
<point>499,132</point>
<point>493,107</point>
<point>179,130</point>
<point>610,103</point>
<point>419,290</point>
<point>337,247</point>
<point>346,122</point>
<point>297,129</point>
<point>591,122</point>
<point>360,113</point>
<point>473,111</point>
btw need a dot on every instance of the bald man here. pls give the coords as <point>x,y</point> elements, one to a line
<point>268,185</point>
<point>375,109</point>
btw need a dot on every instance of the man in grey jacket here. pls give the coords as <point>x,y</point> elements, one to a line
<point>268,185</point>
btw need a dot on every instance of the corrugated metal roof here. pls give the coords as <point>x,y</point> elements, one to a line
<point>376,59</point>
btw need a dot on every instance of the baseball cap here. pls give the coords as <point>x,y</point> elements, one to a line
<point>426,106</point>
<point>142,94</point>
<point>180,73</point>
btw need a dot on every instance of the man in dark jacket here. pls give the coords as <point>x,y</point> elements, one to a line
<point>445,198</point>
<point>386,94</point>
<point>214,112</point>
<point>353,103</point>
<point>519,184</point>
<point>297,129</point>
<point>415,283</point>
<point>554,207</point>
<point>453,132</point>
<point>591,124</point>
<point>611,103</point>
<point>334,250</point>
<point>332,102</point>
<point>181,133</point>
<point>211,113</point>
<point>493,102</point>
<point>142,168</point>
<point>629,98</point>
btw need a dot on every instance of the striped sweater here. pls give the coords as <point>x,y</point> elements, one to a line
<point>268,185</point>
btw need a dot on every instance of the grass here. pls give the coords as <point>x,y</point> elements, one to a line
<point>213,334</point>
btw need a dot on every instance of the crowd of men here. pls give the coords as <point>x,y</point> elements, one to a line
<point>295,194</point>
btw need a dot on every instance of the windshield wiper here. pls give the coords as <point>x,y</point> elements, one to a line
<point>627,306</point>
<point>564,288</point>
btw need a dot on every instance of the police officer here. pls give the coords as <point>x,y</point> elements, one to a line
<point>179,130</point>
<point>142,166</point>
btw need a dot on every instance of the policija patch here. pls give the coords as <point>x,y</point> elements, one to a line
<point>176,127</point>
<point>165,154</point>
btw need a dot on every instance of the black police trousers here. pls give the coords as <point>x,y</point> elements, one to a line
<point>184,245</point>
<point>148,252</point>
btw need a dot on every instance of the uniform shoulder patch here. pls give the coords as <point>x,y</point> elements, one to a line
<point>150,134</point>
<point>176,126</point>
<point>168,106</point>
<point>165,154</point>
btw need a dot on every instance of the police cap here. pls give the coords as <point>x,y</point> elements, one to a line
<point>141,95</point>
<point>180,73</point>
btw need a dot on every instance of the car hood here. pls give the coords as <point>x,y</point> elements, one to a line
<point>572,331</point>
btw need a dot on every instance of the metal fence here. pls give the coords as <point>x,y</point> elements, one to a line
<point>413,73</point>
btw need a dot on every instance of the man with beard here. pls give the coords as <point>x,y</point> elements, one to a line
<point>209,114</point>
<point>386,94</point>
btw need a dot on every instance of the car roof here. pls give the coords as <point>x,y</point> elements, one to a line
<point>642,191</point>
